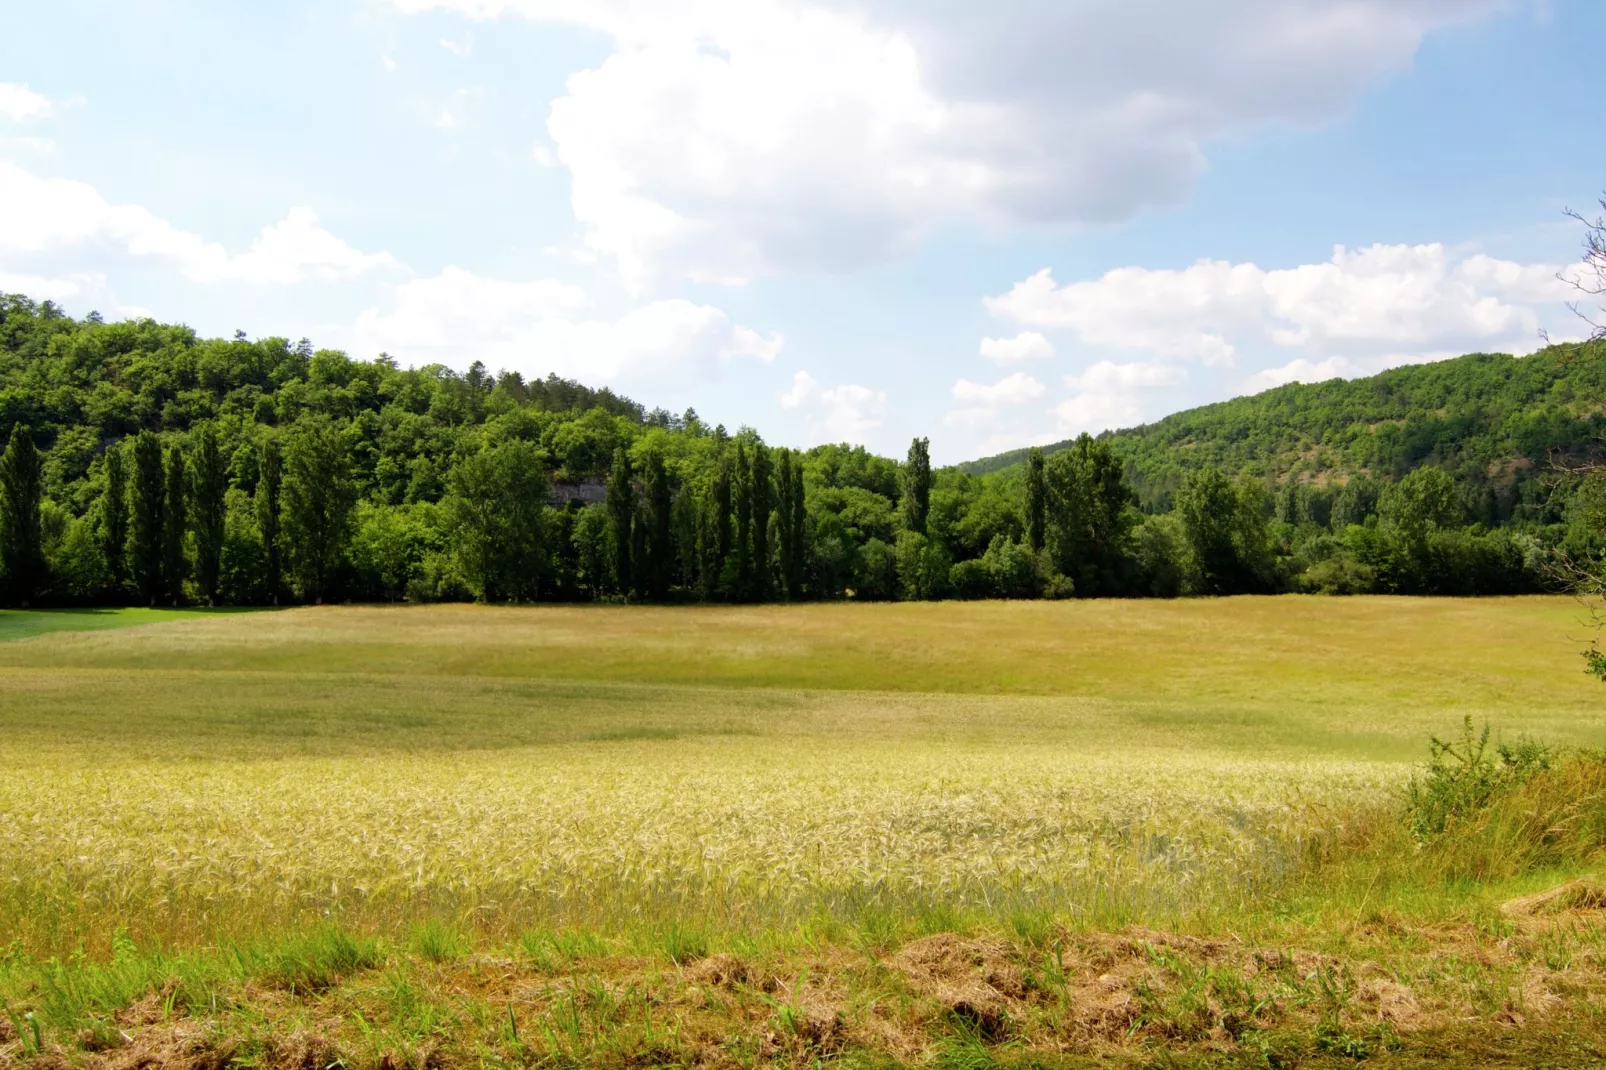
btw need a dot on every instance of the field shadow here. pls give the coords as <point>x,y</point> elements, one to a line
<point>27,623</point>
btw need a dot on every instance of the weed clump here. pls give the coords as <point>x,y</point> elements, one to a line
<point>1464,778</point>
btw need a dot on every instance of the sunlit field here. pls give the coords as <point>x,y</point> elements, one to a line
<point>676,781</point>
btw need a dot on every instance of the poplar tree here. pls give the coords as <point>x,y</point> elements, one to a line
<point>145,529</point>
<point>800,519</point>
<point>660,537</point>
<point>791,521</point>
<point>270,481</point>
<point>175,517</point>
<point>717,529</point>
<point>917,486</point>
<point>784,527</point>
<point>622,514</point>
<point>22,555</point>
<point>1036,500</point>
<point>211,487</point>
<point>742,492</point>
<point>763,506</point>
<point>114,517</point>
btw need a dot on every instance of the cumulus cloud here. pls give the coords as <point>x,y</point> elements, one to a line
<point>1095,411</point>
<point>1383,299</point>
<point>1109,395</point>
<point>970,418</point>
<point>49,216</point>
<point>843,413</point>
<point>543,326</point>
<point>49,288</point>
<point>1010,390</point>
<point>721,139</point>
<point>1303,370</point>
<point>1028,345</point>
<point>1109,376</point>
<point>18,103</point>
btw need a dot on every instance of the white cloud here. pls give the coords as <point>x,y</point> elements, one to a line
<point>1303,371</point>
<point>1109,376</point>
<point>461,49</point>
<point>48,288</point>
<point>18,103</point>
<point>1028,345</point>
<point>1109,395</point>
<point>1010,390</point>
<point>1380,300</point>
<point>543,326</point>
<point>842,413</point>
<point>973,418</point>
<point>297,249</point>
<point>47,216</point>
<point>1097,411</point>
<point>722,139</point>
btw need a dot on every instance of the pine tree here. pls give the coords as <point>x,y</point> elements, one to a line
<point>270,481</point>
<point>1036,500</point>
<point>145,531</point>
<point>622,514</point>
<point>917,486</point>
<point>763,506</point>
<point>22,555</point>
<point>175,518</point>
<point>114,517</point>
<point>211,486</point>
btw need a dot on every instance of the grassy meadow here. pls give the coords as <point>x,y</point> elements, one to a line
<point>1101,833</point>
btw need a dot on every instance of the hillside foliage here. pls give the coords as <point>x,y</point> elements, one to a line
<point>1491,421</point>
<point>146,465</point>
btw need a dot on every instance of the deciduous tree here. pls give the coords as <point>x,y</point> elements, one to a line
<point>318,503</point>
<point>146,519</point>
<point>268,507</point>
<point>916,503</point>
<point>114,517</point>
<point>622,514</point>
<point>175,521</point>
<point>22,555</point>
<point>211,481</point>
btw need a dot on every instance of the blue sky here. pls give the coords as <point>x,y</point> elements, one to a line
<point>990,224</point>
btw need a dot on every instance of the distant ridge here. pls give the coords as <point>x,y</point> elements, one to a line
<point>1489,419</point>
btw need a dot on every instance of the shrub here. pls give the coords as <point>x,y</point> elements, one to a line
<point>1463,778</point>
<point>971,580</point>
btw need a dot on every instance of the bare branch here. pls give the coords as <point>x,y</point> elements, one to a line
<point>1591,280</point>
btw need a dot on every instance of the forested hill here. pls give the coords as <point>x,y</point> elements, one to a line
<point>142,464</point>
<point>1489,420</point>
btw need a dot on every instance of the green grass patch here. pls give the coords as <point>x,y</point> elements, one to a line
<point>27,623</point>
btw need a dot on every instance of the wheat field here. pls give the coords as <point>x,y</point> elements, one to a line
<point>207,777</point>
<point>1072,834</point>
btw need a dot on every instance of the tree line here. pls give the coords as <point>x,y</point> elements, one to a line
<point>144,465</point>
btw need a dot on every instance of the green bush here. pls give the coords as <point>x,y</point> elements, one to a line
<point>1463,778</point>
